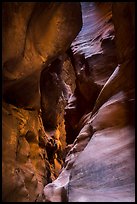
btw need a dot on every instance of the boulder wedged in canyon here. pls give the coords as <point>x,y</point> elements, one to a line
<point>100,166</point>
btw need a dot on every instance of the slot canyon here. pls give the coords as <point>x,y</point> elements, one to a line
<point>68,102</point>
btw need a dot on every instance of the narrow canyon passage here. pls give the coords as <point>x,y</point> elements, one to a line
<point>68,102</point>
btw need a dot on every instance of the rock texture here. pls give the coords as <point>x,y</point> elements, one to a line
<point>96,41</point>
<point>42,36</point>
<point>35,37</point>
<point>25,165</point>
<point>68,102</point>
<point>100,166</point>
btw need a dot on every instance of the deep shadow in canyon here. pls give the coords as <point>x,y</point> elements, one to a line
<point>68,102</point>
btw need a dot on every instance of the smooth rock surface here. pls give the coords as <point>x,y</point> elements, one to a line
<point>44,33</point>
<point>89,86</point>
<point>100,166</point>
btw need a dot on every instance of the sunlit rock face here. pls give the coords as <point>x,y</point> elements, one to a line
<point>39,32</point>
<point>35,36</point>
<point>68,102</point>
<point>100,165</point>
<point>25,165</point>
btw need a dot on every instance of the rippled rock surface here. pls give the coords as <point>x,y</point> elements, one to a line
<point>100,166</point>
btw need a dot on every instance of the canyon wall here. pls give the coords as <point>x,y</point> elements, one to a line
<point>100,166</point>
<point>35,37</point>
<point>68,102</point>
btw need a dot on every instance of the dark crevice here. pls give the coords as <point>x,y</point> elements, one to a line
<point>79,103</point>
<point>50,88</point>
<point>84,97</point>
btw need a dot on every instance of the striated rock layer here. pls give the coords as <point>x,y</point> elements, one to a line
<point>68,111</point>
<point>100,166</point>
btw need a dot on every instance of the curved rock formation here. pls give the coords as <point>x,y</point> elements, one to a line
<point>34,36</point>
<point>68,102</point>
<point>44,33</point>
<point>100,165</point>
